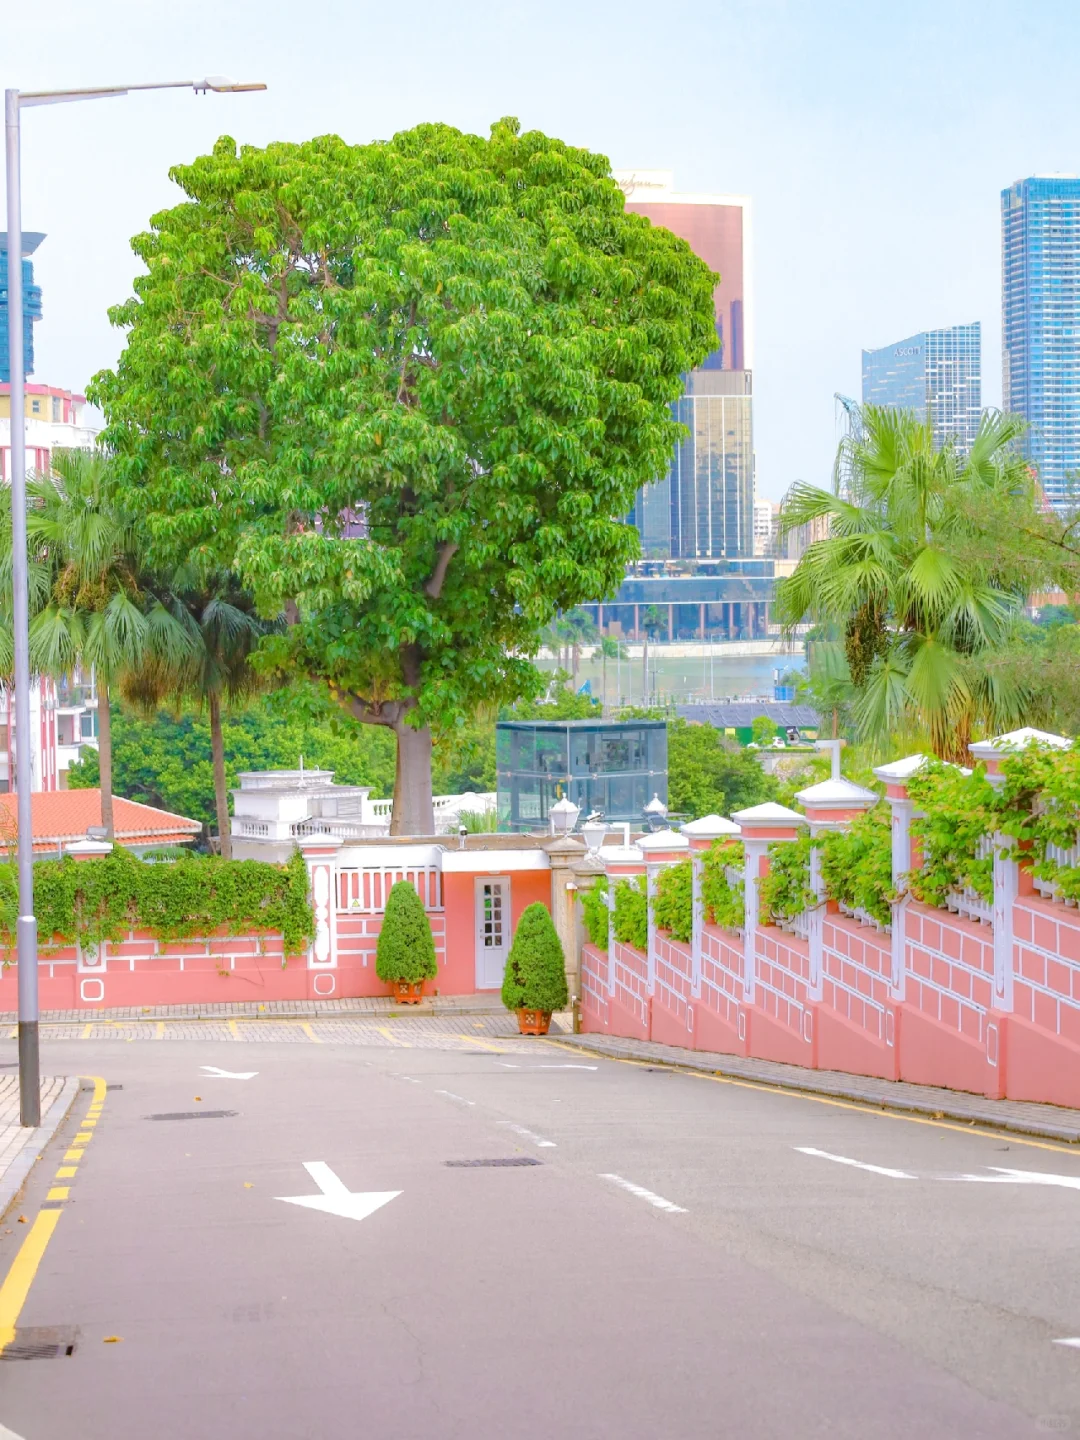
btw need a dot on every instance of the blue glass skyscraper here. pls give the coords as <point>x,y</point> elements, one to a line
<point>1040,314</point>
<point>937,373</point>
<point>31,302</point>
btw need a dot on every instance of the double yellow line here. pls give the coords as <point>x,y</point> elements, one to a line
<point>20,1277</point>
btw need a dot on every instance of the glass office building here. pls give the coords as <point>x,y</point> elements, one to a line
<point>615,769</point>
<point>938,374</point>
<point>1040,331</point>
<point>31,303</point>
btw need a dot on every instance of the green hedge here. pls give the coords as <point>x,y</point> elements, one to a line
<point>631,917</point>
<point>673,906</point>
<point>594,912</point>
<point>724,903</point>
<point>89,901</point>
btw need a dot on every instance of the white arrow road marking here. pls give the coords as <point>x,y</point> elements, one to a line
<point>336,1197</point>
<point>528,1134</point>
<point>643,1194</point>
<point>213,1073</point>
<point>6,1434</point>
<point>857,1164</point>
<point>1074,1341</point>
<point>1020,1177</point>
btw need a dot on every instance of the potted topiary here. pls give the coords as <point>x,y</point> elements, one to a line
<point>534,983</point>
<point>405,953</point>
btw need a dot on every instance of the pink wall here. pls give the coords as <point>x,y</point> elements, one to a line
<point>459,900</point>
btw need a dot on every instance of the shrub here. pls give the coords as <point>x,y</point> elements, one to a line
<point>405,950</point>
<point>724,903</point>
<point>673,907</point>
<point>785,891</point>
<point>631,917</point>
<point>856,864</point>
<point>594,913</point>
<point>959,812</point>
<point>535,976</point>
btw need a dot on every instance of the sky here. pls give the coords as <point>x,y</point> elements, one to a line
<point>874,138</point>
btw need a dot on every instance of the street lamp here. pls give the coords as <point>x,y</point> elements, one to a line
<point>26,926</point>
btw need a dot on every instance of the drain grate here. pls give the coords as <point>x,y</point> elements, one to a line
<point>41,1342</point>
<point>194,1115</point>
<point>502,1161</point>
<point>111,1087</point>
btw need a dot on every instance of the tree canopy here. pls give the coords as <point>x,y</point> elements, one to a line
<point>408,391</point>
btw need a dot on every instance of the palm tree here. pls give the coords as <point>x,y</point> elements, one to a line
<point>219,618</point>
<point>93,604</point>
<point>921,600</point>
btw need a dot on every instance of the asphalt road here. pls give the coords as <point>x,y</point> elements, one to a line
<point>675,1266</point>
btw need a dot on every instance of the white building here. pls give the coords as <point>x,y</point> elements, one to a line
<point>766,525</point>
<point>55,420</point>
<point>62,721</point>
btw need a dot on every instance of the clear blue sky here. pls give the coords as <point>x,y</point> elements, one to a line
<point>874,138</point>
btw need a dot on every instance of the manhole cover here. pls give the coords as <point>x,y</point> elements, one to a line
<point>41,1342</point>
<point>194,1115</point>
<point>502,1161</point>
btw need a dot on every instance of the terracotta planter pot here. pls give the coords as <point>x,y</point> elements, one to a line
<point>408,992</point>
<point>534,1022</point>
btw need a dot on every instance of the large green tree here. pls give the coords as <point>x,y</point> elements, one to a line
<point>923,602</point>
<point>408,390</point>
<point>708,775</point>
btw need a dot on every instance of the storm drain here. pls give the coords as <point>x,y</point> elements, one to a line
<point>194,1115</point>
<point>111,1087</point>
<point>41,1342</point>
<point>502,1162</point>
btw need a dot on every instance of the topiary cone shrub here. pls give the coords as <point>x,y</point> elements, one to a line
<point>534,983</point>
<point>405,952</point>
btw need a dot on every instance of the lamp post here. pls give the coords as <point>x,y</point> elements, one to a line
<point>26,925</point>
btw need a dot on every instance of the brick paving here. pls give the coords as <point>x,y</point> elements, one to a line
<point>484,1004</point>
<point>1052,1122</point>
<point>20,1146</point>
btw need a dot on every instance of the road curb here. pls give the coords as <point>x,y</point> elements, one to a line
<point>179,1013</point>
<point>936,1106</point>
<point>14,1177</point>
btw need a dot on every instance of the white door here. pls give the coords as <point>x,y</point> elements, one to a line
<point>492,932</point>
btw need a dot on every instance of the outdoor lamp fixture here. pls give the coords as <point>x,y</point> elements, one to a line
<point>656,813</point>
<point>594,833</point>
<point>26,926</point>
<point>563,816</point>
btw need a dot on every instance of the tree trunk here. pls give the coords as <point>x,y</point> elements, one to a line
<point>221,794</point>
<point>413,811</point>
<point>105,758</point>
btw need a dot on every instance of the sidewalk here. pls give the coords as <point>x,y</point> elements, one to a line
<point>20,1146</point>
<point>371,1005</point>
<point>1048,1121</point>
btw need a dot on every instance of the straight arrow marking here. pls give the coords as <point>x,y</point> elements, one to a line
<point>856,1164</point>
<point>213,1073</point>
<point>1022,1177</point>
<point>336,1197</point>
<point>1073,1340</point>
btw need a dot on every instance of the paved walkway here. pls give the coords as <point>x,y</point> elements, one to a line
<point>1051,1121</point>
<point>282,1009</point>
<point>20,1145</point>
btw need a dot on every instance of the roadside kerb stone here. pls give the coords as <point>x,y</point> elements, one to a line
<point>1050,1122</point>
<point>20,1147</point>
<point>380,1006</point>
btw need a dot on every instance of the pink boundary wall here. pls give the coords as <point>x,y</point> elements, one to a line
<point>140,971</point>
<point>943,1000</point>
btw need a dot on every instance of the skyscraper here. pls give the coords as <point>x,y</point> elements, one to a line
<point>937,373</point>
<point>704,508</point>
<point>31,302</point>
<point>1040,330</point>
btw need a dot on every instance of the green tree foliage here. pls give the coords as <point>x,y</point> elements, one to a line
<point>673,905</point>
<point>724,900</point>
<point>167,761</point>
<point>763,731</point>
<point>958,811</point>
<point>630,917</point>
<point>560,703</point>
<point>535,975</point>
<point>405,949</point>
<point>102,899</point>
<point>595,913</point>
<point>469,343</point>
<point>708,775</point>
<point>922,600</point>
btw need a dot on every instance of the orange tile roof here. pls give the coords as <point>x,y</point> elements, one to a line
<point>61,816</point>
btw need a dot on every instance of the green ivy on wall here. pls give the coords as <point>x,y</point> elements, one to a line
<point>724,903</point>
<point>785,891</point>
<point>594,912</point>
<point>959,810</point>
<point>88,901</point>
<point>631,916</point>
<point>673,905</point>
<point>856,863</point>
